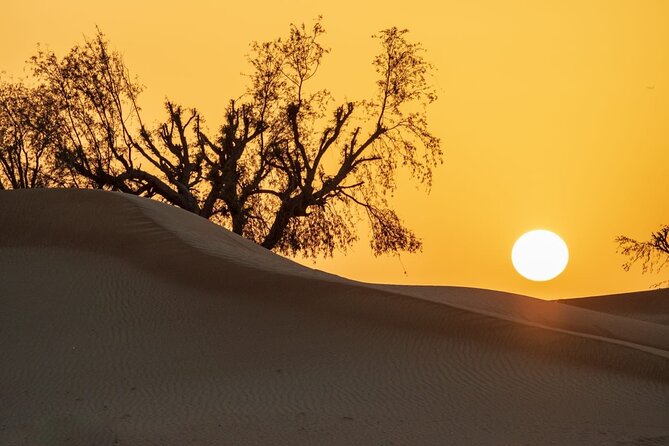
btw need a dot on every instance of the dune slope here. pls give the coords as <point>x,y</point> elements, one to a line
<point>652,306</point>
<point>126,321</point>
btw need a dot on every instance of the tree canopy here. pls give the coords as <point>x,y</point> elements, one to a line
<point>290,167</point>
<point>653,254</point>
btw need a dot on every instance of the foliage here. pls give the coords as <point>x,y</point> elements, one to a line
<point>286,169</point>
<point>653,253</point>
<point>28,123</point>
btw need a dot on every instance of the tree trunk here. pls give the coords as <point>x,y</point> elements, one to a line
<point>238,223</point>
<point>280,223</point>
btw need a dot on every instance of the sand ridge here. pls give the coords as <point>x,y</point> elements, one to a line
<point>207,238</point>
<point>126,321</point>
<point>651,306</point>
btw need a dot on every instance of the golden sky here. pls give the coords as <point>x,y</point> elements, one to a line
<point>553,114</point>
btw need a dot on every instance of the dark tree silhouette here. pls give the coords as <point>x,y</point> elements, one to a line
<point>320,165</point>
<point>28,123</point>
<point>286,169</point>
<point>653,253</point>
<point>103,142</point>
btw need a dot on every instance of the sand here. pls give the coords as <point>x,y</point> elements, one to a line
<point>126,321</point>
<point>652,306</point>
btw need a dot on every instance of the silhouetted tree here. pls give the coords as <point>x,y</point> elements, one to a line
<point>653,253</point>
<point>312,169</point>
<point>28,130</point>
<point>285,169</point>
<point>104,143</point>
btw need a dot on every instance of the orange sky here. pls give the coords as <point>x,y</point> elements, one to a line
<point>553,114</point>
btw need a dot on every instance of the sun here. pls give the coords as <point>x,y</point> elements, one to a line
<point>540,255</point>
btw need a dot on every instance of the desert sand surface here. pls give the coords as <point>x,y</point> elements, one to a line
<point>650,306</point>
<point>129,322</point>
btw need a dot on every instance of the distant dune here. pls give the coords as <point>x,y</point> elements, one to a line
<point>652,306</point>
<point>129,322</point>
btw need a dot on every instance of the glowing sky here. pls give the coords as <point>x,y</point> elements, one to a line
<point>553,114</point>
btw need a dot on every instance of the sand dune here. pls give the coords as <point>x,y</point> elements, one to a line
<point>652,306</point>
<point>126,321</point>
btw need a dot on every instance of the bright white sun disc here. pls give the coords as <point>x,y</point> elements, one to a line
<point>540,255</point>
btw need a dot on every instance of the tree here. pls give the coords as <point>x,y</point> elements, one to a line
<point>653,253</point>
<point>285,169</point>
<point>28,120</point>
<point>103,140</point>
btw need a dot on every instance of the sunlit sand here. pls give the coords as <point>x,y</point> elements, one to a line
<point>126,321</point>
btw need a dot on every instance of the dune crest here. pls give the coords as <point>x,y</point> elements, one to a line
<point>127,321</point>
<point>651,306</point>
